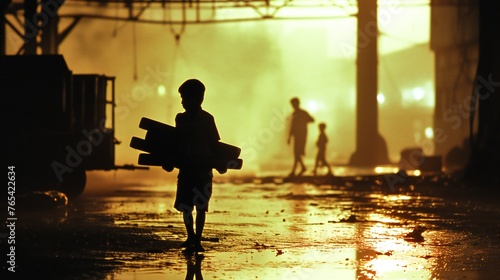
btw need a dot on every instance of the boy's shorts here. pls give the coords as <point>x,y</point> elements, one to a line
<point>193,192</point>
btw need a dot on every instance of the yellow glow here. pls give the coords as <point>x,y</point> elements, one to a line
<point>161,90</point>
<point>380,98</point>
<point>382,219</point>
<point>314,106</point>
<point>385,169</point>
<point>162,207</point>
<point>311,49</point>
<point>422,95</point>
<point>397,197</point>
<point>429,132</point>
<point>418,93</point>
<point>378,169</point>
<point>384,260</point>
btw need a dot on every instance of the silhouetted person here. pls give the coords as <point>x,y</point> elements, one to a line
<point>321,144</point>
<point>197,136</point>
<point>298,131</point>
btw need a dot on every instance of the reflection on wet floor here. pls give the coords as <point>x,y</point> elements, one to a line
<point>289,231</point>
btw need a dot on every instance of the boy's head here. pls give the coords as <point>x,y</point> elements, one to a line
<point>192,93</point>
<point>322,126</point>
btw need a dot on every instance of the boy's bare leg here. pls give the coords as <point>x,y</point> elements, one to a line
<point>188,222</point>
<point>200,224</point>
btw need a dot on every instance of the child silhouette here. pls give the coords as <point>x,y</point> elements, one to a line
<point>321,144</point>
<point>197,137</point>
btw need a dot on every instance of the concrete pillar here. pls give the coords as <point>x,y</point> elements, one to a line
<point>371,149</point>
<point>454,41</point>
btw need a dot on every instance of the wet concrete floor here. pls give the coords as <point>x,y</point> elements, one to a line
<point>263,231</point>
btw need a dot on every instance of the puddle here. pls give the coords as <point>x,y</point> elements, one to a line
<point>286,231</point>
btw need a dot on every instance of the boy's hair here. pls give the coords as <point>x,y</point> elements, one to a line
<point>192,89</point>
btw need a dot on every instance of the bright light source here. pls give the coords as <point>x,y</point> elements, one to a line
<point>384,169</point>
<point>161,90</point>
<point>379,169</point>
<point>419,96</point>
<point>418,93</point>
<point>429,133</point>
<point>313,106</point>
<point>380,98</point>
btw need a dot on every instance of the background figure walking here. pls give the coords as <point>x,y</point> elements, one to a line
<point>321,144</point>
<point>298,131</point>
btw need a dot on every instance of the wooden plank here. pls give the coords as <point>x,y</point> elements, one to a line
<point>153,160</point>
<point>160,145</point>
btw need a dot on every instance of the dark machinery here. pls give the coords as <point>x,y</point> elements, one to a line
<point>57,124</point>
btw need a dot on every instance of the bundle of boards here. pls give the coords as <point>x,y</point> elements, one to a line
<point>161,148</point>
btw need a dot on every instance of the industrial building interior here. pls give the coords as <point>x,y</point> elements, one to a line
<point>406,91</point>
<point>378,100</point>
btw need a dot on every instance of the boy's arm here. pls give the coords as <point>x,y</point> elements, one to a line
<point>213,136</point>
<point>168,164</point>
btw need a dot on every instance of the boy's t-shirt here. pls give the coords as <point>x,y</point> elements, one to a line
<point>197,136</point>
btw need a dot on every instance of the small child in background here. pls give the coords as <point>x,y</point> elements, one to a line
<point>321,144</point>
